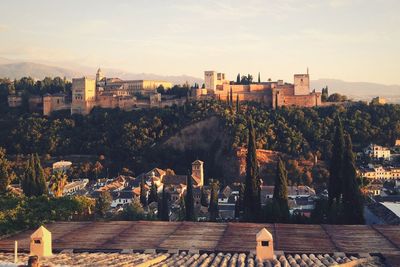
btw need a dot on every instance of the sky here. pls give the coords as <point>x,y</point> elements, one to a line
<point>352,40</point>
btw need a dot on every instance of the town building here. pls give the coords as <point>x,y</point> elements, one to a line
<point>75,187</point>
<point>62,165</point>
<point>380,172</point>
<point>274,94</point>
<point>55,102</point>
<point>377,152</point>
<point>14,100</point>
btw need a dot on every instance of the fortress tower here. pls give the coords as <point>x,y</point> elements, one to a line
<point>99,76</point>
<point>83,95</point>
<point>198,172</point>
<point>302,84</point>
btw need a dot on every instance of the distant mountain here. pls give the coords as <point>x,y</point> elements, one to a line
<point>12,70</point>
<point>359,90</point>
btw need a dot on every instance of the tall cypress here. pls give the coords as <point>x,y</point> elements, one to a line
<point>189,200</point>
<point>259,78</point>
<point>5,173</point>
<point>213,207</point>
<point>28,182</point>
<point>153,196</point>
<point>251,203</point>
<point>238,79</point>
<point>143,193</point>
<point>237,103</point>
<point>41,186</point>
<point>280,197</point>
<point>336,165</point>
<point>164,213</point>
<point>231,98</point>
<point>353,207</point>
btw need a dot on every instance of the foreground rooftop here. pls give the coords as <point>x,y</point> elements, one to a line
<point>192,259</point>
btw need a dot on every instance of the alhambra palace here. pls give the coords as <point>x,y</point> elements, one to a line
<point>103,92</point>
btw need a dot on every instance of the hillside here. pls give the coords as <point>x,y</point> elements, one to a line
<point>359,90</point>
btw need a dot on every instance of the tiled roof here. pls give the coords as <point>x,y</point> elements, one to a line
<point>224,237</point>
<point>190,259</point>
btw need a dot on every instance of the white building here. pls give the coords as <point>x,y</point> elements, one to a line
<point>75,186</point>
<point>377,152</point>
<point>380,173</point>
<point>62,166</point>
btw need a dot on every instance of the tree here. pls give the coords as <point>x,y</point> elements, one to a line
<point>230,98</point>
<point>238,79</point>
<point>237,104</point>
<point>134,211</point>
<point>189,200</point>
<point>325,94</point>
<point>164,211</point>
<point>57,183</point>
<point>103,203</point>
<point>213,207</point>
<point>259,78</point>
<point>85,168</point>
<point>143,193</point>
<point>153,195</point>
<point>252,204</point>
<point>280,197</point>
<point>353,207</point>
<point>203,198</point>
<point>97,168</point>
<point>41,186</point>
<point>239,203</point>
<point>336,165</point>
<point>5,171</point>
<point>28,182</point>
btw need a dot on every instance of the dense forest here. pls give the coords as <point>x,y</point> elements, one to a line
<point>131,139</point>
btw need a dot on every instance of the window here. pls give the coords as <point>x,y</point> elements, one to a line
<point>37,241</point>
<point>264,243</point>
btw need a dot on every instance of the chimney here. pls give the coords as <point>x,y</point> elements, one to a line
<point>41,243</point>
<point>265,245</point>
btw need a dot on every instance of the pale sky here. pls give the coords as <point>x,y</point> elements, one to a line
<point>352,40</point>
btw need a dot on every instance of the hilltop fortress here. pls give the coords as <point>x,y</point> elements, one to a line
<point>104,92</point>
<point>274,94</point>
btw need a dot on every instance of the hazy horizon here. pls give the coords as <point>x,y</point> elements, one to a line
<point>347,40</point>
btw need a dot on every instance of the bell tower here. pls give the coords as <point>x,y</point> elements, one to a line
<point>198,172</point>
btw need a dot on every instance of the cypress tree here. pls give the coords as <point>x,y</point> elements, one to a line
<point>237,103</point>
<point>164,213</point>
<point>231,98</point>
<point>41,186</point>
<point>353,207</point>
<point>5,174</point>
<point>203,198</point>
<point>143,193</point>
<point>336,165</point>
<point>280,197</point>
<point>238,78</point>
<point>239,203</point>
<point>153,196</point>
<point>189,200</point>
<point>213,208</point>
<point>28,182</point>
<point>251,205</point>
<point>259,78</point>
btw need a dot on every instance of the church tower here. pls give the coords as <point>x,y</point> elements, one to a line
<point>198,172</point>
<point>99,76</point>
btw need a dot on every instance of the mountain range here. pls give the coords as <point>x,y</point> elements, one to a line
<point>354,90</point>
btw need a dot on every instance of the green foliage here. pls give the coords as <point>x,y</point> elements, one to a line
<point>153,195</point>
<point>337,98</point>
<point>33,180</point>
<point>280,197</point>
<point>353,206</point>
<point>103,204</point>
<point>164,207</point>
<point>239,203</point>
<point>18,213</point>
<point>143,193</point>
<point>336,165</point>
<point>252,201</point>
<point>57,183</point>
<point>189,200</point>
<point>6,174</point>
<point>203,198</point>
<point>213,207</point>
<point>134,211</point>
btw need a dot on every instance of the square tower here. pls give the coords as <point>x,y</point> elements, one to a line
<point>301,84</point>
<point>83,95</point>
<point>212,79</point>
<point>198,172</point>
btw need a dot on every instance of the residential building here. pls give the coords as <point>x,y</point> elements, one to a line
<point>75,186</point>
<point>14,100</point>
<point>380,172</point>
<point>377,152</point>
